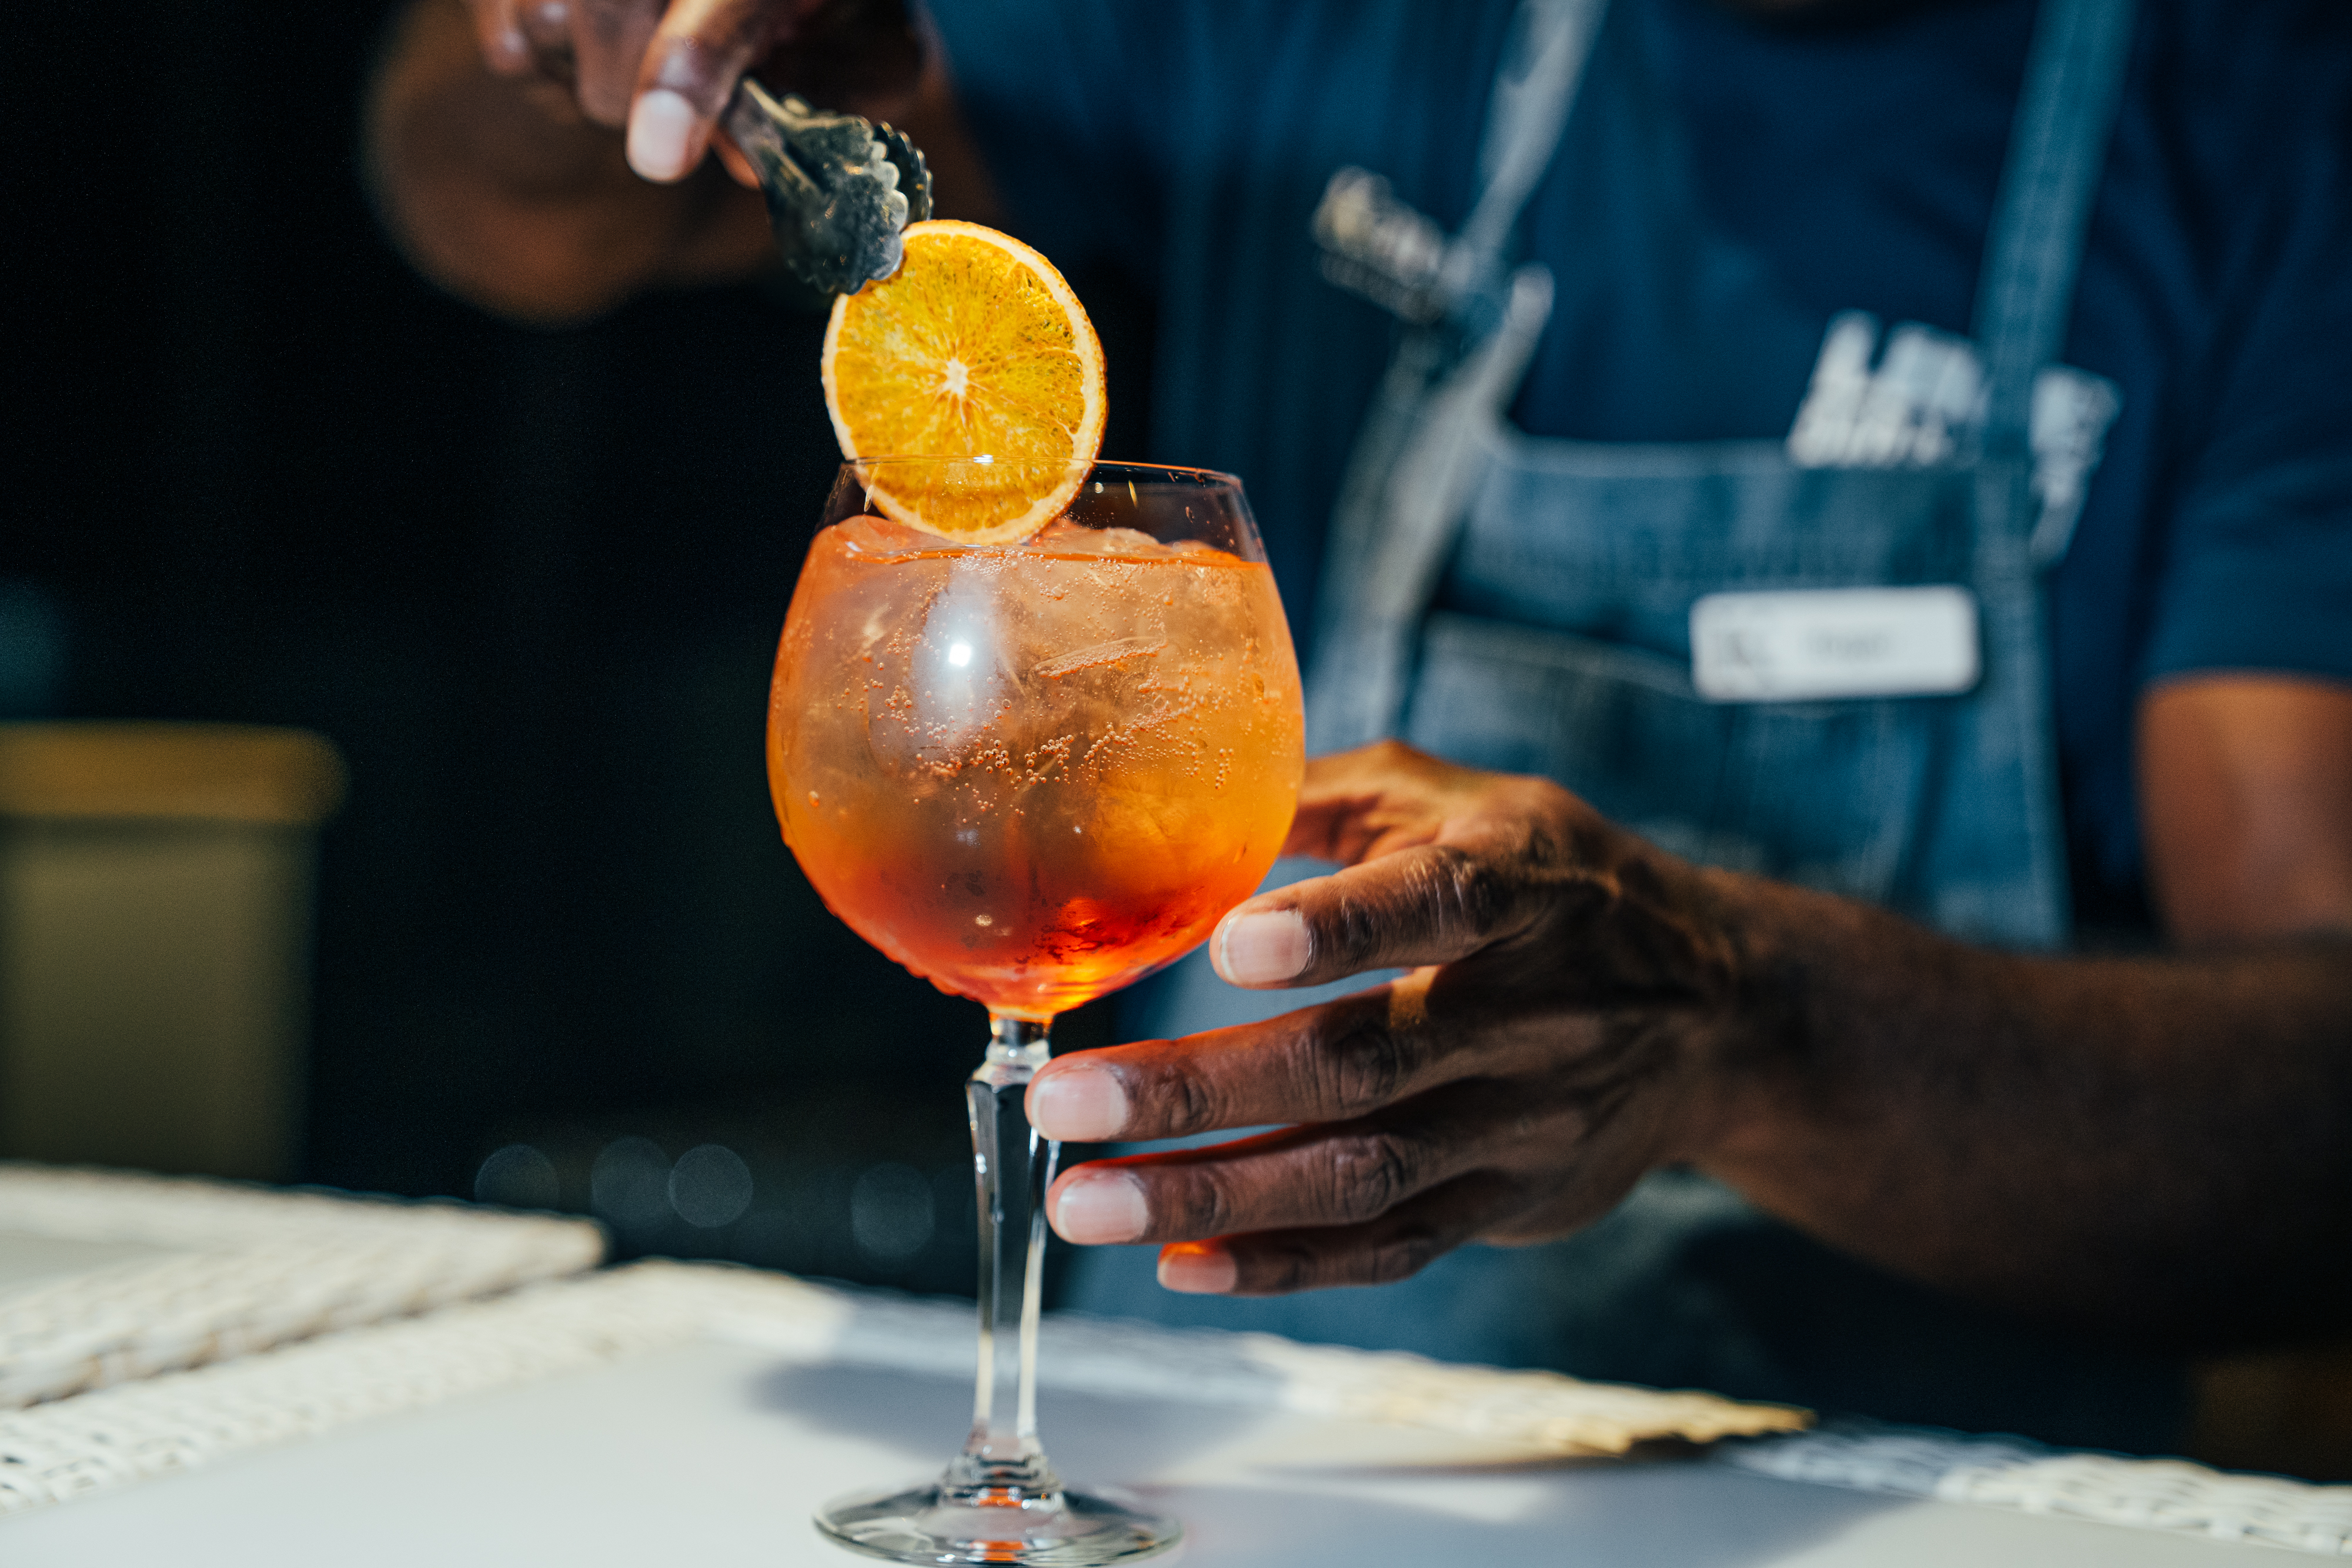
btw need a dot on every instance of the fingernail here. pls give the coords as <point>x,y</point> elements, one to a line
<point>1106,1208</point>
<point>661,135</point>
<point>1080,1103</point>
<point>1197,1269</point>
<point>1263,949</point>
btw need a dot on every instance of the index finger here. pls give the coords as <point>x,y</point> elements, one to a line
<point>690,69</point>
<point>1444,861</point>
<point>1430,904</point>
<point>1325,1063</point>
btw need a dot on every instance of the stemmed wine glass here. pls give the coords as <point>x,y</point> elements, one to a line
<point>1031,773</point>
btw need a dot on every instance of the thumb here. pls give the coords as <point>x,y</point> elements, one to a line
<point>1430,904</point>
<point>689,72</point>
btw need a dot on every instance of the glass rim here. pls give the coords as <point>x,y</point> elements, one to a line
<point>983,460</point>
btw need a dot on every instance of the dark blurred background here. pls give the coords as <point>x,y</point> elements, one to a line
<point>528,583</point>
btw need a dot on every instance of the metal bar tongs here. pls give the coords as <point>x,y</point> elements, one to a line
<point>840,189</point>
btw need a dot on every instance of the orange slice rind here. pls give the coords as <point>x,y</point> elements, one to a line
<point>975,348</point>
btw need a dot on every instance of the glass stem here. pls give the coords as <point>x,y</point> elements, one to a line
<point>1002,1462</point>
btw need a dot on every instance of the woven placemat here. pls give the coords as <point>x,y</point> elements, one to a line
<point>246,1268</point>
<point>2015,1473</point>
<point>184,1420</point>
<point>1542,1413</point>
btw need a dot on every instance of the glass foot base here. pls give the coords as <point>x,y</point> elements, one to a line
<point>1061,1530</point>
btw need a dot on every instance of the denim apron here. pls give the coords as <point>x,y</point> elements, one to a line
<point>1524,605</point>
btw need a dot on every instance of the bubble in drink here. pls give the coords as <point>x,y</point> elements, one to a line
<point>1033,773</point>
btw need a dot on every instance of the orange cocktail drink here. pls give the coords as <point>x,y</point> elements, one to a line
<point>1033,772</point>
<point>1034,727</point>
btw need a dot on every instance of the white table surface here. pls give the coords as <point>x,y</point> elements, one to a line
<point>713,1453</point>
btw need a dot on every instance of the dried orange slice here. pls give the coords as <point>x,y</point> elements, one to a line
<point>975,348</point>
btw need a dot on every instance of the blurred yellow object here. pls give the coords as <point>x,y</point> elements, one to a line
<point>155,896</point>
<point>183,772</point>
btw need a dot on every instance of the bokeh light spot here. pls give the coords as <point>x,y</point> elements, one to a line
<point>710,1187</point>
<point>891,1212</point>
<point>629,1184</point>
<point>518,1176</point>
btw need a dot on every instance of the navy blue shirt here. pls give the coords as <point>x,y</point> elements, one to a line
<point>1845,165</point>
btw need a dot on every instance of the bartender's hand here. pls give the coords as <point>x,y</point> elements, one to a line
<point>2121,1142</point>
<point>665,68</point>
<point>1574,993</point>
<point>495,155</point>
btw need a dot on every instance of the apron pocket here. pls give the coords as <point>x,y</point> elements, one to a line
<point>1824,794</point>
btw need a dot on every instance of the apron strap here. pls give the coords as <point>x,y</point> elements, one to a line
<point>1402,500</point>
<point>1525,117</point>
<point>2065,115</point>
<point>1405,507</point>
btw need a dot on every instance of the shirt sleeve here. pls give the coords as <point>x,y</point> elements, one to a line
<point>1062,97</point>
<point>2257,574</point>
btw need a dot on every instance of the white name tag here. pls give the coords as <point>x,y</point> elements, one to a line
<point>1833,643</point>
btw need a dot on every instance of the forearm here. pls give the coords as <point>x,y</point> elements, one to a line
<point>2126,1141</point>
<point>502,191</point>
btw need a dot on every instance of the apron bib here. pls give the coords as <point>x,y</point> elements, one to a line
<point>1524,605</point>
